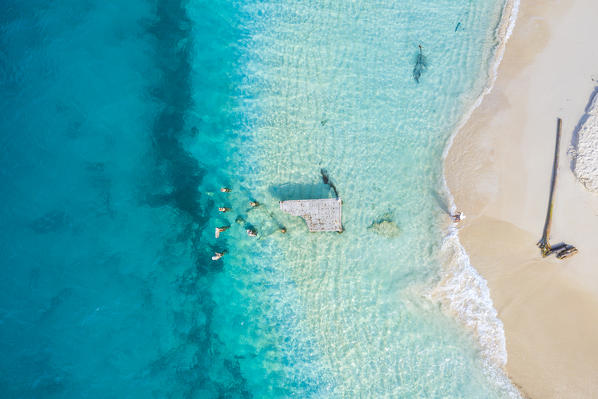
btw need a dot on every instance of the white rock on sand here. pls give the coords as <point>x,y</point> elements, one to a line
<point>585,151</point>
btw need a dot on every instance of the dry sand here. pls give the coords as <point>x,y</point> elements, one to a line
<point>498,170</point>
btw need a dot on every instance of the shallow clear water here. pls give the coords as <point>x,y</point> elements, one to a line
<point>120,123</point>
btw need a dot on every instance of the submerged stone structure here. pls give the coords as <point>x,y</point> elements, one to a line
<point>319,214</point>
<point>385,227</point>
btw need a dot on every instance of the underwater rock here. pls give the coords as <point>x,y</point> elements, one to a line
<point>385,227</point>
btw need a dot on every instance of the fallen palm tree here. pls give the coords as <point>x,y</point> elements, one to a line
<point>563,250</point>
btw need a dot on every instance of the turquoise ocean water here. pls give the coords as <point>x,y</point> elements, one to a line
<point>119,123</point>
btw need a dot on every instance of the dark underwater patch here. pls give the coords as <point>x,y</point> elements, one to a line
<point>180,173</point>
<point>51,222</point>
<point>173,181</point>
<point>51,381</point>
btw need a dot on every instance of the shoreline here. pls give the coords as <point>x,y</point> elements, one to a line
<point>459,278</point>
<point>496,167</point>
<point>504,30</point>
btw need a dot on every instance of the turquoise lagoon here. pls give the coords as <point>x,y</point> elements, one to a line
<point>121,122</point>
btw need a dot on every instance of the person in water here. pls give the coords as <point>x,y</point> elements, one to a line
<point>224,209</point>
<point>220,230</point>
<point>458,217</point>
<point>225,190</point>
<point>218,255</point>
<point>251,232</point>
<point>254,204</point>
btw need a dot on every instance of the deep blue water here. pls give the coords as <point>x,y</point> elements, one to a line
<point>104,274</point>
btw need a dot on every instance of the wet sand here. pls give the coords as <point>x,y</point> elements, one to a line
<point>498,170</point>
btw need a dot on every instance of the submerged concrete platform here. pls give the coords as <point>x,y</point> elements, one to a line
<point>319,214</point>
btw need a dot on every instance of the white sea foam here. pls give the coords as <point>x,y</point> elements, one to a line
<point>465,295</point>
<point>585,147</point>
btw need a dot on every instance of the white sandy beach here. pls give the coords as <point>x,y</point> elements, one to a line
<point>498,170</point>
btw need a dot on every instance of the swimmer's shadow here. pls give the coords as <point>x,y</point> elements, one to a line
<point>297,191</point>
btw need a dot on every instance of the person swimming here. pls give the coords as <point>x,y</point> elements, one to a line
<point>254,204</point>
<point>220,230</point>
<point>218,255</point>
<point>224,209</point>
<point>225,190</point>
<point>251,232</point>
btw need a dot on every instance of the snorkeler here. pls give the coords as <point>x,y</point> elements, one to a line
<point>220,230</point>
<point>251,232</point>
